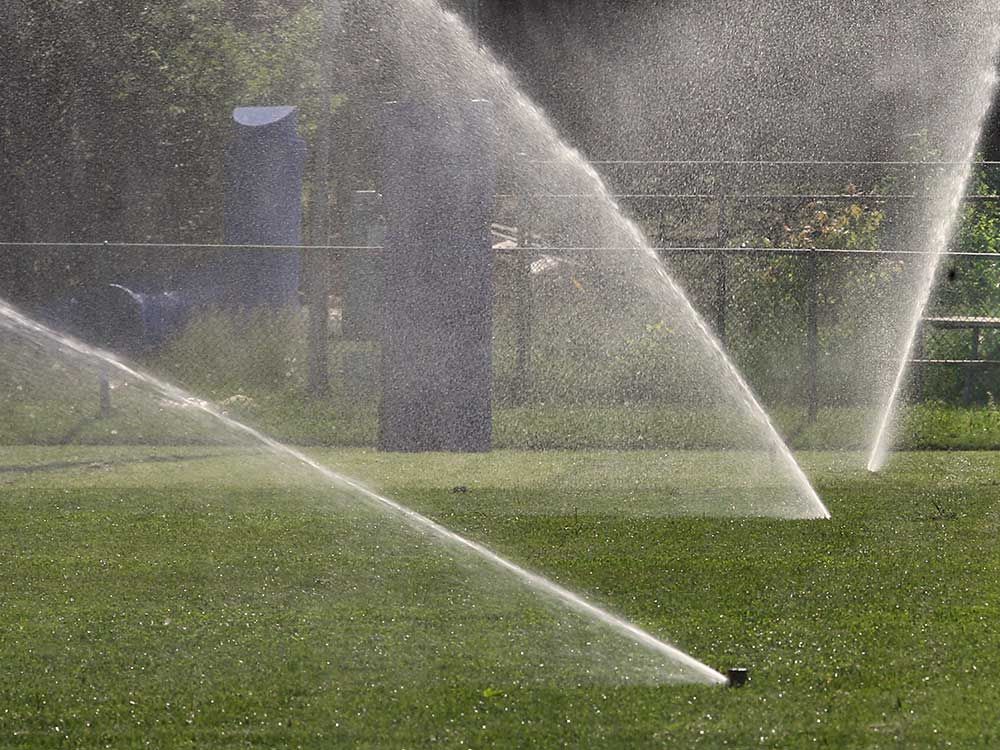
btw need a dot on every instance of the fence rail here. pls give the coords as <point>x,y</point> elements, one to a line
<point>717,248</point>
<point>554,249</point>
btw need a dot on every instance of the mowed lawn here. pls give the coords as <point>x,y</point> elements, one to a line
<point>205,597</point>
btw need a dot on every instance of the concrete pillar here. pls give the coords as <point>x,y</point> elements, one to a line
<point>439,182</point>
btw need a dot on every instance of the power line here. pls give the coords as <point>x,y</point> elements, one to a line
<point>779,163</point>
<point>553,249</point>
<point>739,196</point>
<point>107,244</point>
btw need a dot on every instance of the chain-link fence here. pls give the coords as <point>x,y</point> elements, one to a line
<point>796,276</point>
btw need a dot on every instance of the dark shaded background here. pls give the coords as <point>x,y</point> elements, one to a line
<point>114,116</point>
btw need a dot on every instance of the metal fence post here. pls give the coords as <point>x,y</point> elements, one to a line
<point>916,366</point>
<point>812,325</point>
<point>328,221</point>
<point>968,387</point>
<point>721,275</point>
<point>104,385</point>
<point>317,288</point>
<point>524,300</point>
<point>317,295</point>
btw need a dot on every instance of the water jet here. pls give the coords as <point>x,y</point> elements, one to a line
<point>944,217</point>
<point>622,288</point>
<point>73,354</point>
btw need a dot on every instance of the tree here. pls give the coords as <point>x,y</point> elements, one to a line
<point>116,115</point>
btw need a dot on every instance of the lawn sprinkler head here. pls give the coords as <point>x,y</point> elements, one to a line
<point>738,676</point>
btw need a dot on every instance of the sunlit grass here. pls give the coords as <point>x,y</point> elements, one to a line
<point>199,600</point>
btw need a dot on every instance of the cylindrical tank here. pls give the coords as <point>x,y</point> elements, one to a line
<point>263,206</point>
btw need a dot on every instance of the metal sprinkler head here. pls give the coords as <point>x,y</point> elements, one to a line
<point>738,676</point>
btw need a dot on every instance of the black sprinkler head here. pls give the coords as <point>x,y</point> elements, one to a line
<point>738,676</point>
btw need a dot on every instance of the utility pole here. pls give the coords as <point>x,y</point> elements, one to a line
<point>317,289</point>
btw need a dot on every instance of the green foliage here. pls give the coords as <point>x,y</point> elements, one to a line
<point>116,121</point>
<point>836,225</point>
<point>968,286</point>
<point>972,286</point>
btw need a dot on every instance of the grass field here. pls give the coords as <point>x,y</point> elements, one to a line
<point>204,597</point>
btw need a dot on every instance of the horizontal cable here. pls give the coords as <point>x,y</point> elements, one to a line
<point>553,249</point>
<point>740,196</point>
<point>961,362</point>
<point>180,246</point>
<point>736,250</point>
<point>778,163</point>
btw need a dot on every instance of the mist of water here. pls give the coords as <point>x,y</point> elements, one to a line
<point>442,58</point>
<point>736,96</point>
<point>40,336</point>
<point>945,216</point>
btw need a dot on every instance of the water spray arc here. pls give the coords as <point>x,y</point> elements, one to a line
<point>945,218</point>
<point>482,74</point>
<point>22,326</point>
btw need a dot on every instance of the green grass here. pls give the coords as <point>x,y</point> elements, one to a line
<point>210,599</point>
<point>54,400</point>
<point>293,417</point>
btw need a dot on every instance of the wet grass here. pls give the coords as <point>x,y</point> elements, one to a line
<point>201,601</point>
<point>294,417</point>
<point>930,426</point>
